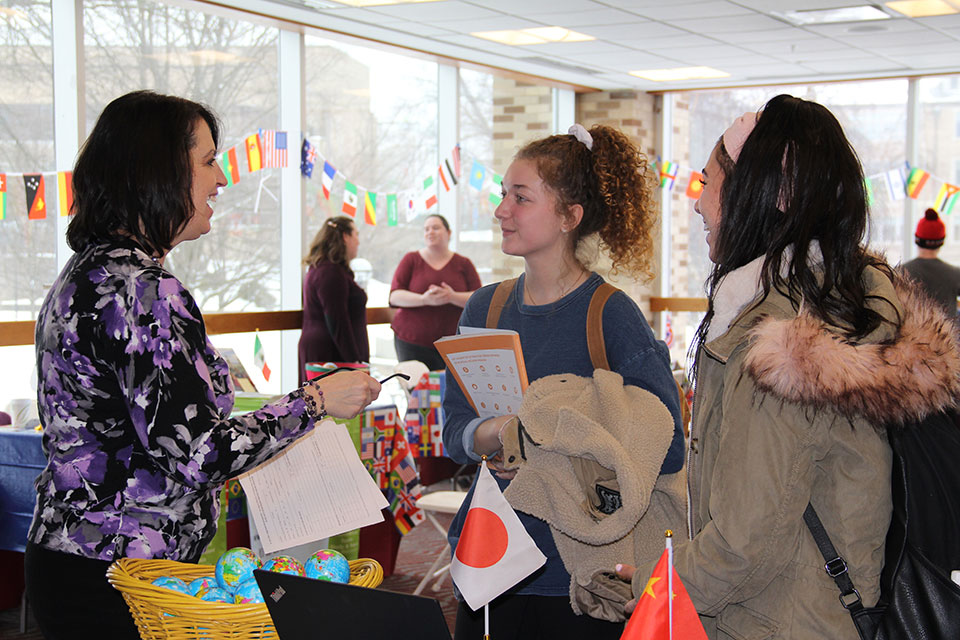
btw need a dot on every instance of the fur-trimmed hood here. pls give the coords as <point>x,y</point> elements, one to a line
<point>890,382</point>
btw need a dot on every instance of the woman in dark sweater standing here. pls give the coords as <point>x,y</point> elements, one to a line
<point>334,305</point>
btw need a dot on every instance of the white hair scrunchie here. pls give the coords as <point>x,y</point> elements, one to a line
<point>581,134</point>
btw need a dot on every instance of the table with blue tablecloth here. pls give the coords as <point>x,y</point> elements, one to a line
<point>21,460</point>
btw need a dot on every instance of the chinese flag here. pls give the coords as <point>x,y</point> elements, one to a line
<point>651,618</point>
<point>695,187</point>
<point>36,200</point>
<point>254,153</point>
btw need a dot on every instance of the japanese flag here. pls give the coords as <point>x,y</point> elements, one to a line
<point>494,552</point>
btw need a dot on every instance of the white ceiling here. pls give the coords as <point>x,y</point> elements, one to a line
<point>741,37</point>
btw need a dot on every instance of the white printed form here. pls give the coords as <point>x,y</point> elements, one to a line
<point>491,379</point>
<point>315,489</point>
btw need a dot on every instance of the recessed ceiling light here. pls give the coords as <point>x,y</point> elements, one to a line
<point>536,35</point>
<point>377,3</point>
<point>680,73</point>
<point>921,8</point>
<point>841,14</point>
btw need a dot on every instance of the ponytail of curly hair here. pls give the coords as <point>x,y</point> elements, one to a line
<point>614,184</point>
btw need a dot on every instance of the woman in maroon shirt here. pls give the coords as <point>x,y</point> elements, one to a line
<point>334,306</point>
<point>430,287</point>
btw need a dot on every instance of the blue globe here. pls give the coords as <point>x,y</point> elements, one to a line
<point>235,567</point>
<point>328,564</point>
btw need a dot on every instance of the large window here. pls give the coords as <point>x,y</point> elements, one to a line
<point>27,245</point>
<point>938,153</point>
<point>372,115</point>
<point>230,65</point>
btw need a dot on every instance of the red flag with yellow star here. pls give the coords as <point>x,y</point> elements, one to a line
<point>651,617</point>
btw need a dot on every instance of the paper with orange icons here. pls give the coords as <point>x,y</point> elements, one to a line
<point>488,366</point>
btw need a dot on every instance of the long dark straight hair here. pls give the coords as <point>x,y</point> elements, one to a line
<point>797,180</point>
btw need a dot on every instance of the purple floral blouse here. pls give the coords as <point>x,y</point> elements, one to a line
<point>135,403</point>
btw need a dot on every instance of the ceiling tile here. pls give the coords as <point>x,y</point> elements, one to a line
<point>700,10</point>
<point>497,23</point>
<point>918,38</point>
<point>577,19</point>
<point>564,49</point>
<point>533,7</point>
<point>853,65</point>
<point>627,60</point>
<point>627,31</point>
<point>436,11</point>
<point>733,24</point>
<point>788,47</point>
<point>940,22</point>
<point>846,29</point>
<point>483,45</point>
<point>419,28</point>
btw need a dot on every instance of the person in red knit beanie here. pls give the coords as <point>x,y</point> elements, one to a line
<point>939,279</point>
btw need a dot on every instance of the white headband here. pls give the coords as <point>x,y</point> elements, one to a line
<point>581,134</point>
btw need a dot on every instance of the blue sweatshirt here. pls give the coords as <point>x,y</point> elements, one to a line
<point>554,340</point>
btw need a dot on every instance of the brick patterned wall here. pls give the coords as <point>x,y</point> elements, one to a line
<point>522,111</point>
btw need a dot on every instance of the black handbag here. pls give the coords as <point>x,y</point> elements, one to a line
<point>918,600</point>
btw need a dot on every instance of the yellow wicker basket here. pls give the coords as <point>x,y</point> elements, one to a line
<point>162,614</point>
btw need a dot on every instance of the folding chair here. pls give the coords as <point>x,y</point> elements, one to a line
<point>431,503</point>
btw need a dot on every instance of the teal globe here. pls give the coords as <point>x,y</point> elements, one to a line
<point>235,567</point>
<point>284,564</point>
<point>328,564</point>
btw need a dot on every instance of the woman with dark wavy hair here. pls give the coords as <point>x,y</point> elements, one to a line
<point>134,400</point>
<point>562,196</point>
<point>334,306</point>
<point>810,349</point>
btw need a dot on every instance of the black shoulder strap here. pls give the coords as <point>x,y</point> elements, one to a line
<point>836,566</point>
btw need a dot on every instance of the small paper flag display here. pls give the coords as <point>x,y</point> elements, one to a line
<point>695,186</point>
<point>946,198</point>
<point>915,182</point>
<point>231,168</point>
<point>392,210</point>
<point>274,148</point>
<point>65,192</point>
<point>495,199</point>
<point>308,157</point>
<point>260,358</point>
<point>478,174</point>
<point>429,193</point>
<point>36,200</point>
<point>3,196</point>
<point>370,208</point>
<point>327,178</point>
<point>349,199</point>
<point>443,178</point>
<point>896,187</point>
<point>668,173</point>
<point>254,153</point>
